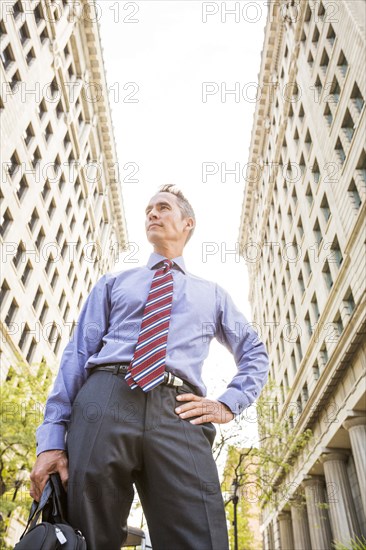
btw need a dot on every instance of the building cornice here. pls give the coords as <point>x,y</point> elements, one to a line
<point>97,73</point>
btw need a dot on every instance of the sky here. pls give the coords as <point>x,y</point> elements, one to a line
<point>171,65</point>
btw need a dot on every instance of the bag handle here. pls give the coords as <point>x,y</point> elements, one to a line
<point>54,496</point>
<point>37,507</point>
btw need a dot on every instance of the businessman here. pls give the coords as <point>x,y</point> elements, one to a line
<point>129,407</point>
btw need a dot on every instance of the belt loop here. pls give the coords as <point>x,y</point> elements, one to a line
<point>116,369</point>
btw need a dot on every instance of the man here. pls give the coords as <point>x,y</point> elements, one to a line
<point>129,405</point>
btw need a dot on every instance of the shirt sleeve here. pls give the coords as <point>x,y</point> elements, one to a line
<point>251,358</point>
<point>85,341</point>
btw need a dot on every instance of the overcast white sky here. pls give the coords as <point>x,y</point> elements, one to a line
<point>161,62</point>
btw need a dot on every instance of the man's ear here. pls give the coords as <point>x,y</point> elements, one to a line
<point>189,223</point>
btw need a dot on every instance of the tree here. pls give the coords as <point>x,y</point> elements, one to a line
<point>23,395</point>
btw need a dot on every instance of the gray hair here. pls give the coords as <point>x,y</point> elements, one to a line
<point>183,204</point>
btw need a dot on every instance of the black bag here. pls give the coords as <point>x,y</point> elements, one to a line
<point>54,532</point>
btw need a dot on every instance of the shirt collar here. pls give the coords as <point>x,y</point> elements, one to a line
<point>155,259</point>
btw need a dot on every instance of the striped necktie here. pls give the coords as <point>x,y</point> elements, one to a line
<point>147,367</point>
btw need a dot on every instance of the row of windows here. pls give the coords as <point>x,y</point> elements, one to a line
<point>333,331</point>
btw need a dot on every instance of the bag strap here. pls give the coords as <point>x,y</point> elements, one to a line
<point>37,508</point>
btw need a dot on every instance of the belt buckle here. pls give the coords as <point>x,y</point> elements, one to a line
<point>173,380</point>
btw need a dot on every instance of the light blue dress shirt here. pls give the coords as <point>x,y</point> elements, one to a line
<point>108,327</point>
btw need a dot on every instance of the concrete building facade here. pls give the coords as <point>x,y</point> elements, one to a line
<point>62,217</point>
<point>303,234</point>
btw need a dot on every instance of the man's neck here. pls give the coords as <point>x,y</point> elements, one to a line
<point>169,251</point>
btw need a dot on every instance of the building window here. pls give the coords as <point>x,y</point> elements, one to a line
<point>340,151</point>
<point>308,325</point>
<point>357,98</point>
<point>323,355</point>
<point>49,263</point>
<point>28,134</point>
<point>67,140</point>
<point>14,164</point>
<point>71,271</point>
<point>301,282</point>
<point>59,109</point>
<point>315,308</point>
<point>46,190</point>
<point>72,223</point>
<point>342,64</point>
<point>23,336</point>
<point>7,57</point>
<point>315,172</point>
<point>38,13</point>
<point>57,344</point>
<point>12,311</point>
<point>4,291</point>
<point>17,9</point>
<point>66,312</point>
<point>33,220</point>
<point>48,133</point>
<point>348,126</point>
<point>42,109</point>
<point>24,33</point>
<point>338,325</point>
<point>15,80</point>
<point>44,36</point>
<point>26,273</point>
<point>316,34</point>
<point>325,208</point>
<point>54,279</point>
<point>22,188</point>
<point>328,114</point>
<point>308,141</point>
<point>307,265</point>
<point>310,59</point>
<point>30,56</point>
<point>327,275</point>
<point>51,209</point>
<point>36,157</point>
<point>62,300</point>
<point>324,62</point>
<point>43,314</point>
<point>37,297</point>
<point>61,183</point>
<point>336,254</point>
<point>349,301</point>
<point>59,235</point>
<point>40,238</point>
<point>331,35</point>
<point>316,371</point>
<point>32,349</point>
<point>20,255</point>
<point>317,232</point>
<point>6,221</point>
<point>335,90</point>
<point>354,195</point>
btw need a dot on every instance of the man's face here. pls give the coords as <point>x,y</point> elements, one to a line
<point>164,221</point>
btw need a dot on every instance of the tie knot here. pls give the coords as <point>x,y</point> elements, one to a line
<point>167,265</point>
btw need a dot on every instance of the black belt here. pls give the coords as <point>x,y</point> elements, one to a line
<point>122,368</point>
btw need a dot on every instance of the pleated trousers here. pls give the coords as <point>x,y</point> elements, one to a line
<point>119,437</point>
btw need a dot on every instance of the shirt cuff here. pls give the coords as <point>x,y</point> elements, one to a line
<point>235,399</point>
<point>50,437</point>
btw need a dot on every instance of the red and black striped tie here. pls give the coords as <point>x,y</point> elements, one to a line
<point>147,367</point>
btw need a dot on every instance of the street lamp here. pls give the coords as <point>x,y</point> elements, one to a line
<point>235,500</point>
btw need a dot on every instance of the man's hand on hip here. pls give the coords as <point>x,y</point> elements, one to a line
<point>48,462</point>
<point>207,410</point>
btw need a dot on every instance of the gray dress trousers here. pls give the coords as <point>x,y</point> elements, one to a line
<point>119,437</point>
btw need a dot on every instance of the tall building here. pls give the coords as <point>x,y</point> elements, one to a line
<point>302,233</point>
<point>62,217</point>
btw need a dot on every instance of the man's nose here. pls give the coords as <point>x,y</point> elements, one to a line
<point>152,214</point>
